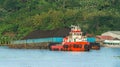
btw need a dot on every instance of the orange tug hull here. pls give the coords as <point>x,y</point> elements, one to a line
<point>71,46</point>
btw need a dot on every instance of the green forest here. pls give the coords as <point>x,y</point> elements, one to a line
<point>20,17</point>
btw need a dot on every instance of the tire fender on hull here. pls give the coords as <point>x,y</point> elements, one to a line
<point>87,47</point>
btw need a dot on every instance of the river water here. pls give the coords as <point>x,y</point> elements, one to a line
<point>105,57</point>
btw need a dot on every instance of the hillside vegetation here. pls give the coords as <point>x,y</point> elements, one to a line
<point>20,17</point>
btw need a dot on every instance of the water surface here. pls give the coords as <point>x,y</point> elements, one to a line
<point>105,57</point>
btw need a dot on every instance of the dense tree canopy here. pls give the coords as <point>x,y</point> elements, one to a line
<point>20,17</point>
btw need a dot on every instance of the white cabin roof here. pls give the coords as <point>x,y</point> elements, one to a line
<point>114,34</point>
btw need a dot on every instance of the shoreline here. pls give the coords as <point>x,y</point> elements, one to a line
<point>43,45</point>
<point>28,46</point>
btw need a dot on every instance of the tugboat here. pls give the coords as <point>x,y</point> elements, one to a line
<point>75,41</point>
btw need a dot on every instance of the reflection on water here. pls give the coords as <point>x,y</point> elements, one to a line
<point>45,58</point>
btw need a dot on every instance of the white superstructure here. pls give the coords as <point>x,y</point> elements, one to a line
<point>75,35</point>
<point>112,43</point>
